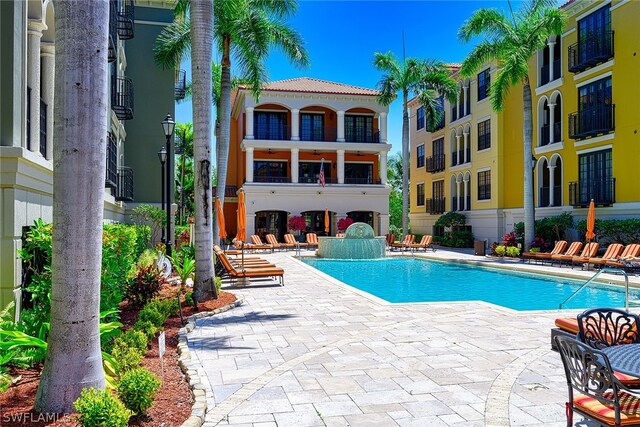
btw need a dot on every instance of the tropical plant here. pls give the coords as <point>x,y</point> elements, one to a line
<point>137,389</point>
<point>425,79</point>
<point>296,223</point>
<point>144,286</point>
<point>344,223</point>
<point>184,172</point>
<point>101,408</point>
<point>151,216</point>
<point>510,239</point>
<point>185,269</point>
<point>511,42</point>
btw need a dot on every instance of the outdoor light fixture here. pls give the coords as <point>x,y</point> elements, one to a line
<point>162,155</point>
<point>168,125</point>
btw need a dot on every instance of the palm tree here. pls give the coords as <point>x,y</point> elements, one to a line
<point>74,360</point>
<point>201,52</point>
<point>512,42</point>
<point>184,182</point>
<point>424,79</point>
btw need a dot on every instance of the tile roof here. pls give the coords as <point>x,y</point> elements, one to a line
<point>307,84</point>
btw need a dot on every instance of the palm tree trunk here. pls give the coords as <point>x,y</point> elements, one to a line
<point>225,122</point>
<point>529,215</point>
<point>201,53</point>
<point>74,360</point>
<point>405,164</point>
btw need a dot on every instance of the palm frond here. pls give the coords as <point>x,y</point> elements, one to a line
<point>489,22</point>
<point>181,8</point>
<point>251,65</point>
<point>173,44</point>
<point>290,42</point>
<point>479,56</point>
<point>386,62</point>
<point>388,87</point>
<point>277,8</point>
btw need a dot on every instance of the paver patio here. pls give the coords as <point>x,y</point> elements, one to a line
<point>319,353</point>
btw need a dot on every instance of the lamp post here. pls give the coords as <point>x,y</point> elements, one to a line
<point>168,125</point>
<point>162,155</point>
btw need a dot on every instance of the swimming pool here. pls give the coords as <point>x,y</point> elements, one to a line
<point>403,280</point>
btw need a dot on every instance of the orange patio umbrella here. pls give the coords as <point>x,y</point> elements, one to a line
<point>327,224</point>
<point>242,221</point>
<point>220,212</point>
<point>591,221</point>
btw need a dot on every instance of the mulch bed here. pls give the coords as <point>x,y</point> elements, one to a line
<point>172,405</point>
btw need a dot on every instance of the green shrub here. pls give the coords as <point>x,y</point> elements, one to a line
<point>146,327</point>
<point>143,239</point>
<point>133,338</point>
<point>126,357</point>
<point>534,250</point>
<point>188,299</point>
<point>144,286</point>
<point>451,219</point>
<point>118,259</point>
<point>623,231</point>
<point>513,251</point>
<point>147,257</point>
<point>151,216</point>
<point>549,229</point>
<point>501,250</point>
<point>137,389</point>
<point>167,307</point>
<point>218,281</point>
<point>100,408</point>
<point>153,315</point>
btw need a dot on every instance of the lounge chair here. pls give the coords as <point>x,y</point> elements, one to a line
<point>271,239</point>
<point>573,250</point>
<point>312,240</point>
<point>258,244</point>
<point>559,248</point>
<point>613,252</point>
<point>408,240</point>
<point>290,238</point>
<point>630,252</point>
<point>425,243</point>
<point>589,251</point>
<point>234,273</point>
<point>247,261</point>
<point>391,238</point>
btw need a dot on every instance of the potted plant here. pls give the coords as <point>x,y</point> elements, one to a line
<point>296,224</point>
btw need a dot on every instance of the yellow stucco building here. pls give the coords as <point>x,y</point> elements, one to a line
<point>585,92</point>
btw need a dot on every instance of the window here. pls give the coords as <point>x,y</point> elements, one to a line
<point>358,173</point>
<point>270,125</point>
<point>438,189</point>
<point>309,172</point>
<point>358,128</point>
<point>312,127</point>
<point>484,135</point>
<point>420,194</point>
<point>420,156</point>
<point>595,110</point>
<point>268,171</point>
<point>484,79</point>
<point>596,178</point>
<point>420,118</point>
<point>484,185</point>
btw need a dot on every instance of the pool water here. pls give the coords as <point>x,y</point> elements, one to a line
<point>404,280</point>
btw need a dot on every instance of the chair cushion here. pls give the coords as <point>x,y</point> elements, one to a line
<point>628,380</point>
<point>569,324</point>
<point>629,408</point>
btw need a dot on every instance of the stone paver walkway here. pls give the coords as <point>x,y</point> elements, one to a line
<point>319,353</point>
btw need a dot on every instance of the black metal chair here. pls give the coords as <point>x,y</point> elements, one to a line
<point>594,391</point>
<point>605,327</point>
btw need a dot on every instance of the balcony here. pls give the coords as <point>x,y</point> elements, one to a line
<point>122,97</point>
<point>273,133</point>
<point>435,163</point>
<point>603,192</point>
<point>366,137</point>
<point>229,191</point>
<point>124,192</point>
<point>113,31</point>
<point>592,121</point>
<point>590,51</point>
<point>43,128</point>
<point>125,20</point>
<point>180,88</point>
<point>545,136</point>
<point>111,178</point>
<point>545,195</point>
<point>360,181</point>
<point>435,206</point>
<point>272,179</point>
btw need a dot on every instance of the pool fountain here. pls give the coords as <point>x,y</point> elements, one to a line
<point>359,242</point>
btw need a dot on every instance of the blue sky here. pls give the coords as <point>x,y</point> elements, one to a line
<point>342,36</point>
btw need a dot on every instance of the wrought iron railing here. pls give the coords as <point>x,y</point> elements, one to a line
<point>112,51</point>
<point>316,180</point>
<point>43,128</point>
<point>274,179</point>
<point>122,97</point>
<point>273,133</point>
<point>592,121</point>
<point>180,88</point>
<point>124,192</point>
<point>590,51</point>
<point>544,196</point>
<point>435,163</point>
<point>125,19</point>
<point>603,192</point>
<point>435,206</point>
<point>366,137</point>
<point>355,180</point>
<point>111,178</point>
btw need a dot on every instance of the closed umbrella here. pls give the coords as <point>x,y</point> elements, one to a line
<point>220,212</point>
<point>326,221</point>
<point>242,213</point>
<point>591,221</point>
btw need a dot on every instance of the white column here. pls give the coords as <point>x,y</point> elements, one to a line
<point>340,157</point>
<point>466,193</point>
<point>295,124</point>
<point>383,221</point>
<point>551,184</point>
<point>34,35</point>
<point>383,128</point>
<point>552,45</point>
<point>383,167</point>
<point>465,88</point>
<point>249,124</point>
<point>551,135</point>
<point>340,135</point>
<point>294,165</point>
<point>250,224</point>
<point>249,164</point>
<point>458,149</point>
<point>48,72</point>
<point>466,144</point>
<point>459,208</point>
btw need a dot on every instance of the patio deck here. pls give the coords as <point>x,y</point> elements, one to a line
<point>319,353</point>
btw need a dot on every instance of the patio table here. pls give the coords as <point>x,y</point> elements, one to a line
<point>624,358</point>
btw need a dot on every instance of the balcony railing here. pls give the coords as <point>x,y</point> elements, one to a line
<point>435,206</point>
<point>545,195</point>
<point>125,19</point>
<point>435,163</point>
<point>365,181</point>
<point>273,133</point>
<point>272,179</point>
<point>122,98</point>
<point>113,31</point>
<point>124,191</point>
<point>365,137</point>
<point>43,128</point>
<point>229,191</point>
<point>111,178</point>
<point>592,121</point>
<point>603,192</point>
<point>180,89</point>
<point>590,51</point>
<point>545,137</point>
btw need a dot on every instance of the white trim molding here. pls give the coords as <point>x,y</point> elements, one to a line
<point>594,70</point>
<point>556,146</point>
<point>589,141</point>
<point>592,149</point>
